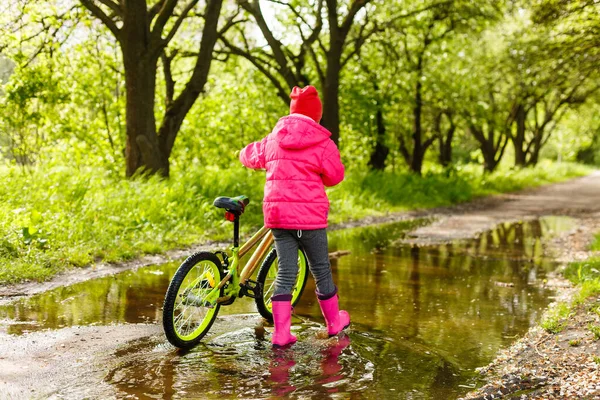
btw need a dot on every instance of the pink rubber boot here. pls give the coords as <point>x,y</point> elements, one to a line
<point>336,320</point>
<point>282,318</point>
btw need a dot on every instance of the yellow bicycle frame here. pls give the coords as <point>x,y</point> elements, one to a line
<point>265,237</point>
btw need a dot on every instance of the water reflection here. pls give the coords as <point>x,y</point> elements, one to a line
<point>423,318</point>
<point>279,369</point>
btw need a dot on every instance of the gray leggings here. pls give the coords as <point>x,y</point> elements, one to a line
<point>314,243</point>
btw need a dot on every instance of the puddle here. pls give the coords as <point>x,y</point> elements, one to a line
<point>423,318</point>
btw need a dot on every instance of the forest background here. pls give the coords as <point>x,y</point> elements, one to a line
<point>120,119</point>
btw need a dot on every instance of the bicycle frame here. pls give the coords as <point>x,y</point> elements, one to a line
<point>265,239</point>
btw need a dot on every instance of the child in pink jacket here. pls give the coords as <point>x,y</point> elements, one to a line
<point>300,160</point>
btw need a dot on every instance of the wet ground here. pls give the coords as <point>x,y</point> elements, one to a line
<point>423,318</point>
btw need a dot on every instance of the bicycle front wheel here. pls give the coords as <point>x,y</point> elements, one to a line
<point>187,316</point>
<point>266,278</point>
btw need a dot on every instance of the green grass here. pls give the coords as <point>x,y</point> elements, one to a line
<point>555,319</point>
<point>596,244</point>
<point>595,329</point>
<point>56,218</point>
<point>586,274</point>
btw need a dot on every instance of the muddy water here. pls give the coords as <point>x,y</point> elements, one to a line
<point>423,318</point>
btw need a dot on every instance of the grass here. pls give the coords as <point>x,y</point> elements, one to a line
<point>56,218</point>
<point>595,329</point>
<point>596,244</point>
<point>555,319</point>
<point>586,274</point>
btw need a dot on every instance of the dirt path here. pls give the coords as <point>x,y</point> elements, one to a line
<point>72,360</point>
<point>43,364</point>
<point>576,198</point>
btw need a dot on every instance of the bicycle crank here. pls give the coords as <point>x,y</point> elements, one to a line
<point>251,289</point>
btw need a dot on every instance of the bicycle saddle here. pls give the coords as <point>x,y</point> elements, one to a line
<point>234,205</point>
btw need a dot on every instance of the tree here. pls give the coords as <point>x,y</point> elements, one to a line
<point>418,50</point>
<point>576,25</point>
<point>543,88</point>
<point>286,64</point>
<point>144,33</point>
<point>445,135</point>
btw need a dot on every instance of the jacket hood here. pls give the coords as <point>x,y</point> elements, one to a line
<point>299,132</point>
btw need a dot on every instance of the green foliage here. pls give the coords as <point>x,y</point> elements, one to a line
<point>574,342</point>
<point>555,320</point>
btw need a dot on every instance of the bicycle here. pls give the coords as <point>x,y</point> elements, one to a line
<point>205,281</point>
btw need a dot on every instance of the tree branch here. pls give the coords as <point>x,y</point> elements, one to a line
<point>106,20</point>
<point>403,150</point>
<point>166,11</point>
<point>176,113</point>
<point>169,82</point>
<point>113,6</point>
<point>276,47</point>
<point>153,11</point>
<point>178,22</point>
<point>355,7</point>
<point>429,142</point>
<point>261,66</point>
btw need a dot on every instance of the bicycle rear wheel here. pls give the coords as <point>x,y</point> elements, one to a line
<point>187,317</point>
<point>266,278</point>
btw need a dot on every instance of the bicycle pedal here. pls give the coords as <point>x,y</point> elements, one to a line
<point>251,289</point>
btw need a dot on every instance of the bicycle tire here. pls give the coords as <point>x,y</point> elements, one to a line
<point>266,278</point>
<point>209,272</point>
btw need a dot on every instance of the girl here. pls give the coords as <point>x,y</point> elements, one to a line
<point>300,160</point>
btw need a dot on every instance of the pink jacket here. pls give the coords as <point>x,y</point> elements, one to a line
<point>300,160</point>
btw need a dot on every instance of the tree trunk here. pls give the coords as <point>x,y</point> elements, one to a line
<point>331,89</point>
<point>381,151</point>
<point>417,158</point>
<point>519,138</point>
<point>445,140</point>
<point>534,153</point>
<point>489,157</point>
<point>445,151</point>
<point>142,151</point>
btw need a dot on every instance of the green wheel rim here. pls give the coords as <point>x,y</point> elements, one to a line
<point>272,274</point>
<point>190,316</point>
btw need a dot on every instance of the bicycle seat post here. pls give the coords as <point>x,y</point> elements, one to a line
<point>235,208</point>
<point>236,231</point>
